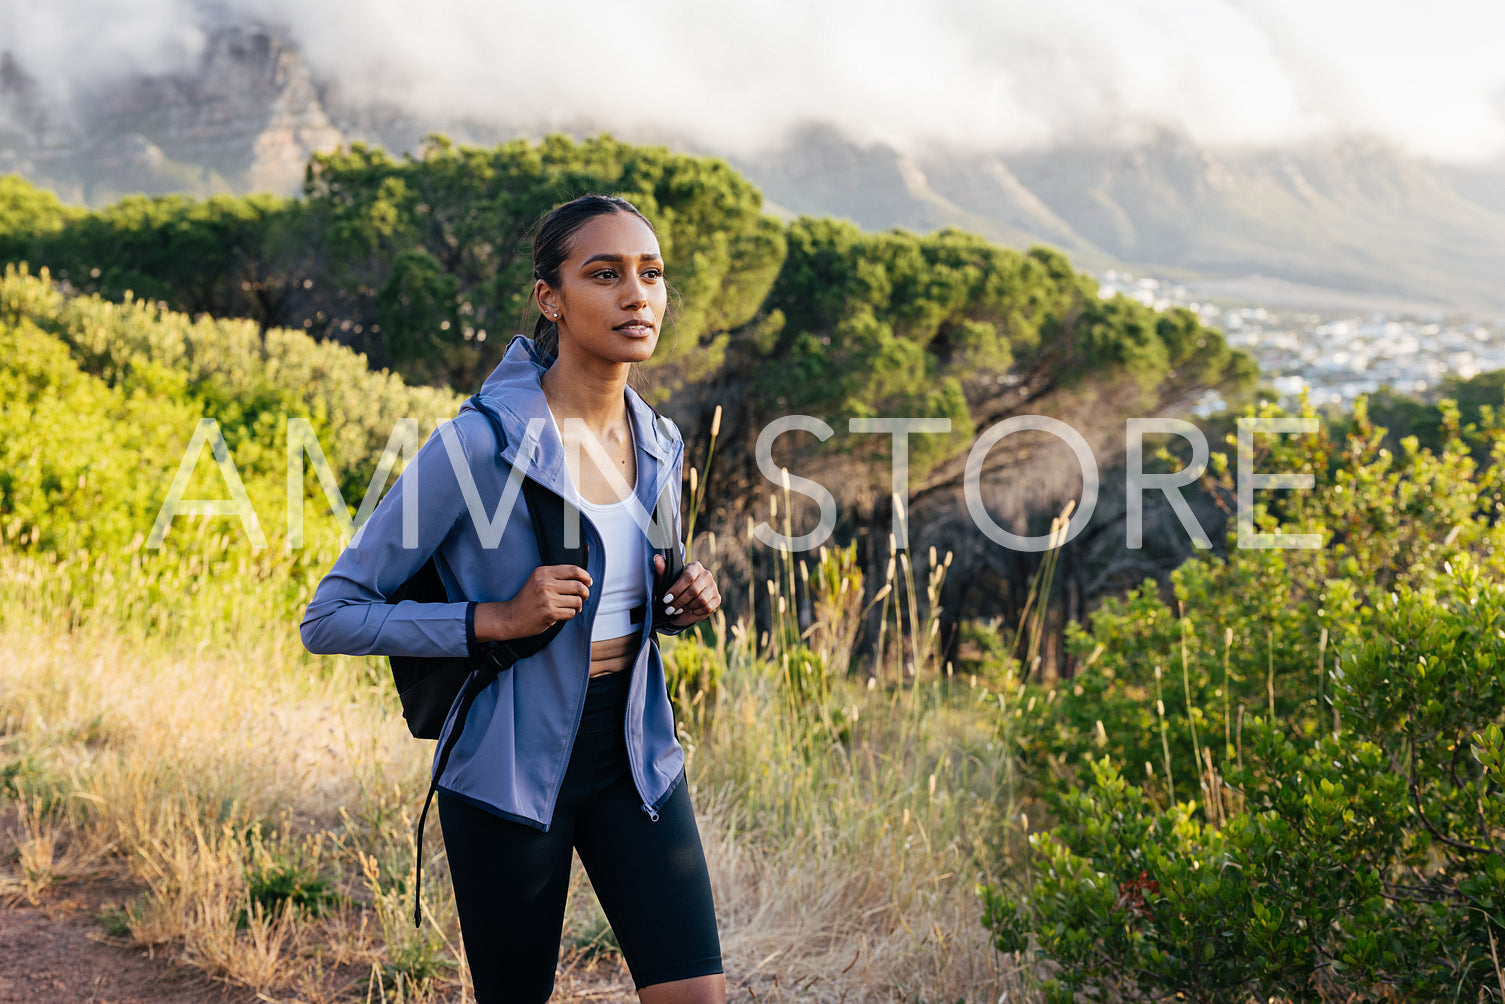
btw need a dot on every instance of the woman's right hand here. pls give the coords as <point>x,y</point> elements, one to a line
<point>552,593</point>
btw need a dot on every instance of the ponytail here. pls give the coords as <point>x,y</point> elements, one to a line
<point>546,337</point>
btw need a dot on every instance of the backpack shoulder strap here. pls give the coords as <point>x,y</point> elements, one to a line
<point>547,511</point>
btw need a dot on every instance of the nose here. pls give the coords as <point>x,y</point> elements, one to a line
<point>634,292</point>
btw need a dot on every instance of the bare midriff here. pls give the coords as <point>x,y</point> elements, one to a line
<point>612,655</point>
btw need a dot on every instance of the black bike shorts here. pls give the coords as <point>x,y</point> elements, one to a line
<point>511,880</point>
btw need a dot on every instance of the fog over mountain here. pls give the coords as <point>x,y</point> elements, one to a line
<point>738,76</point>
<point>1358,147</point>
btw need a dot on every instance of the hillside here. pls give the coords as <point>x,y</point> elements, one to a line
<point>1349,214</point>
<point>935,769</point>
<point>1352,215</point>
<point>400,260</point>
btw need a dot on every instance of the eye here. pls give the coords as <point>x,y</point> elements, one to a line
<point>653,273</point>
<point>605,273</point>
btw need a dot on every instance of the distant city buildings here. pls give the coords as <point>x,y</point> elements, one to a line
<point>1333,357</point>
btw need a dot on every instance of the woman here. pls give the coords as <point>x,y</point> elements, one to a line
<point>574,747</point>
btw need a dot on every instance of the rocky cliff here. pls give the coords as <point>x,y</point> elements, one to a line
<point>246,119</point>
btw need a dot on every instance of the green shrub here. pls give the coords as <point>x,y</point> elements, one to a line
<point>289,885</point>
<point>693,669</point>
<point>1322,815</point>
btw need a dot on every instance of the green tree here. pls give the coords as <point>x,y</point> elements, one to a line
<point>198,256</point>
<point>900,324</point>
<point>28,213</point>
<point>467,211</point>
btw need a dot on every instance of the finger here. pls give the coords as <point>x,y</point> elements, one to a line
<point>710,596</point>
<point>566,572</point>
<point>696,585</point>
<point>685,581</point>
<point>674,600</point>
<point>658,563</point>
<point>700,598</point>
<point>697,611</point>
<point>684,593</point>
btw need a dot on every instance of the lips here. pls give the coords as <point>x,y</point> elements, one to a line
<point>637,327</point>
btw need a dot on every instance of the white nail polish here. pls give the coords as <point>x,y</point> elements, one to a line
<point>668,597</point>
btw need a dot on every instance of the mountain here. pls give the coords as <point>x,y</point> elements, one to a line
<point>819,173</point>
<point>1349,218</point>
<point>1350,215</point>
<point>247,120</point>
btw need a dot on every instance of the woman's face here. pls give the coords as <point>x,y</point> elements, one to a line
<point>611,295</point>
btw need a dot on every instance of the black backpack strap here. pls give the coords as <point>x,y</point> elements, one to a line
<point>666,545</point>
<point>477,681</point>
<point>548,512</point>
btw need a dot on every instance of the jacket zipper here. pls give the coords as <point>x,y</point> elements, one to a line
<point>658,488</point>
<point>580,706</point>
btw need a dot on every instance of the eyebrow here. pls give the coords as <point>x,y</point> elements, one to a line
<point>617,259</point>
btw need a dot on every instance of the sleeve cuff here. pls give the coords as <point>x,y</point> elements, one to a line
<point>472,647</point>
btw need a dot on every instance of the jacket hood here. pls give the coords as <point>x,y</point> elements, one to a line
<point>514,390</point>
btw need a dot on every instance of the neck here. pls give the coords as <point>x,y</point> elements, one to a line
<point>592,390</point>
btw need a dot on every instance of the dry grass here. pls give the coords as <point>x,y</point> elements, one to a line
<point>844,875</point>
<point>844,867</point>
<point>185,772</point>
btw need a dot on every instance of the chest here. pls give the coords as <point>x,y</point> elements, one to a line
<point>602,466</point>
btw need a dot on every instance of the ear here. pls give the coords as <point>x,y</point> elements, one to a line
<point>546,298</point>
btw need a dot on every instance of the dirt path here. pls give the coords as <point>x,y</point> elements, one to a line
<point>57,953</point>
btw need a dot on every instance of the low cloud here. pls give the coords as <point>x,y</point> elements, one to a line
<point>740,76</point>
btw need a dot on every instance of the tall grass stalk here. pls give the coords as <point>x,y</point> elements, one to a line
<point>886,594</point>
<point>1191,719</point>
<point>1165,742</point>
<point>698,480</point>
<point>1032,618</point>
<point>1227,692</point>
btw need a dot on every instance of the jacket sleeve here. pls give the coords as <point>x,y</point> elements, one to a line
<point>349,613</point>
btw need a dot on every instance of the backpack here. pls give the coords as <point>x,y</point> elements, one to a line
<point>429,688</point>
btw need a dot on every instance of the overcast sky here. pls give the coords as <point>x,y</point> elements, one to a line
<point>738,75</point>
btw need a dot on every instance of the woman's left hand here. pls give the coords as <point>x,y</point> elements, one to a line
<point>693,597</point>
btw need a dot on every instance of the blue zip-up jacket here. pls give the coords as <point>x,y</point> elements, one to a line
<point>511,756</point>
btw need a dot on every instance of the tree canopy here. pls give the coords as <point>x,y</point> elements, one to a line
<point>415,260</point>
<point>419,260</point>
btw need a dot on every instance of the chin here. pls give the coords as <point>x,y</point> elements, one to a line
<point>638,350</point>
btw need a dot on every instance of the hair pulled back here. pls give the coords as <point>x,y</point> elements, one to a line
<point>552,246</point>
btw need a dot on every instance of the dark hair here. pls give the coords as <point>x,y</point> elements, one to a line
<point>551,248</point>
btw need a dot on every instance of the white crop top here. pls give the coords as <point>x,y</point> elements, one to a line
<point>624,585</point>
